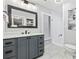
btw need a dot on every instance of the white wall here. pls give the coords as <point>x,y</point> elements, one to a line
<point>18,3</point>
<point>57,28</point>
<point>69,35</point>
<point>59,25</point>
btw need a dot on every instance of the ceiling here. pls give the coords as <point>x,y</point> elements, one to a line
<point>51,4</point>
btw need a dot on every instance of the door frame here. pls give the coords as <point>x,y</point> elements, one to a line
<point>45,13</point>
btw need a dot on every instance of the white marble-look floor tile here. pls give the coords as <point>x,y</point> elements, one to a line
<point>55,52</point>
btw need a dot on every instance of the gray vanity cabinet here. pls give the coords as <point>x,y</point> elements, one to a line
<point>29,47</point>
<point>33,47</point>
<point>22,48</point>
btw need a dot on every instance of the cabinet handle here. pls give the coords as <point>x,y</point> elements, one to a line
<point>8,43</point>
<point>10,51</point>
<point>41,50</point>
<point>40,37</point>
<point>28,37</point>
<point>41,42</point>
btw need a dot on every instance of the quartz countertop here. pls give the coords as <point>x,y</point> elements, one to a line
<point>5,36</point>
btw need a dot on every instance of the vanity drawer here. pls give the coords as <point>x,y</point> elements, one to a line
<point>9,51</point>
<point>9,42</point>
<point>41,43</point>
<point>41,51</point>
<point>41,36</point>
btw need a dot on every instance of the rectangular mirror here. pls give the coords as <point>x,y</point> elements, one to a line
<point>20,18</point>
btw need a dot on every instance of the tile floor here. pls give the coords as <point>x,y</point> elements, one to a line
<point>55,52</point>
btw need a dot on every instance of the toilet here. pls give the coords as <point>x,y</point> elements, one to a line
<point>71,49</point>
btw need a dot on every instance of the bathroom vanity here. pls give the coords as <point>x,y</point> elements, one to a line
<point>23,47</point>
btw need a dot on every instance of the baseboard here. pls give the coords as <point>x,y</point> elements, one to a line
<point>58,44</point>
<point>47,41</point>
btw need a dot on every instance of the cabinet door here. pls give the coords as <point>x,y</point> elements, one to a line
<point>22,48</point>
<point>33,47</point>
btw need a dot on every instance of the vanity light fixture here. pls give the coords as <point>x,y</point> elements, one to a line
<point>30,4</point>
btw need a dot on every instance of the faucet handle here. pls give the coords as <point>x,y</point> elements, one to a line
<point>25,31</point>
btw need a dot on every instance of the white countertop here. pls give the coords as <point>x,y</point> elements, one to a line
<point>5,36</point>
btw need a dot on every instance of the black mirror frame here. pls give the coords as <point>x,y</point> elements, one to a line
<point>10,19</point>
